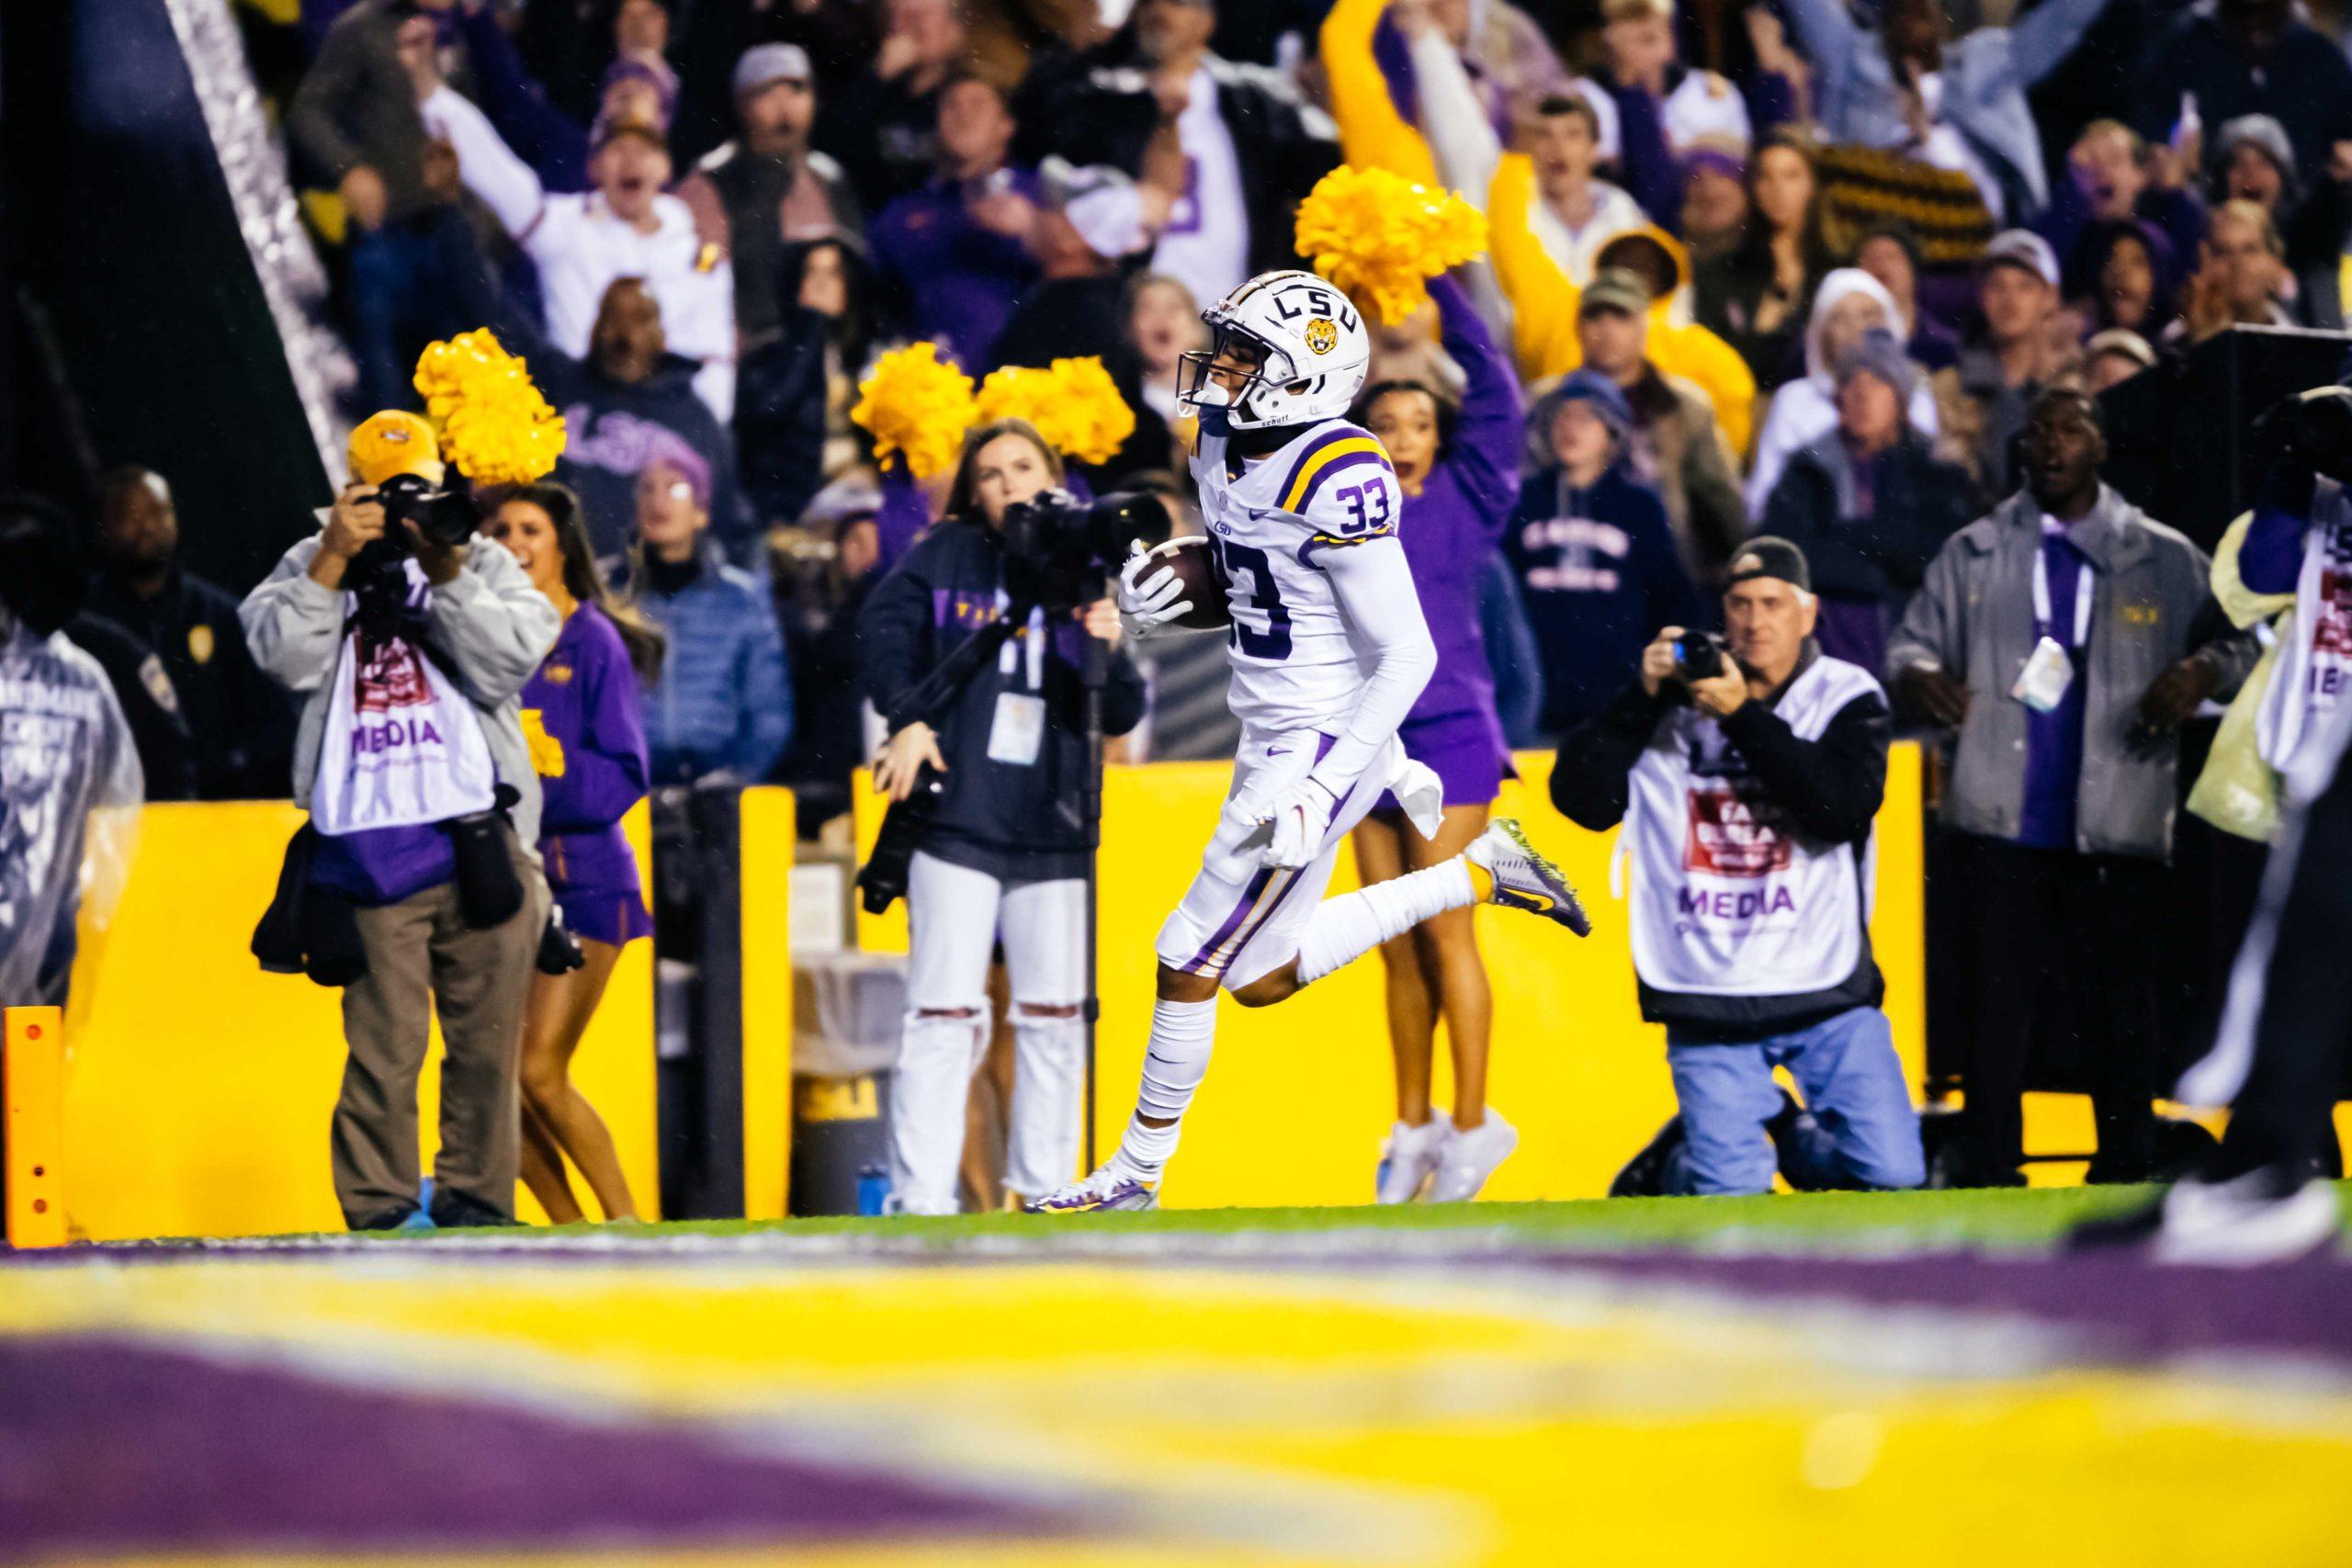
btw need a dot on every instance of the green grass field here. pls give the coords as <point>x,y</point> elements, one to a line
<point>2023,1218</point>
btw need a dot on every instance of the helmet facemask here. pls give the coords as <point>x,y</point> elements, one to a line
<point>1200,392</point>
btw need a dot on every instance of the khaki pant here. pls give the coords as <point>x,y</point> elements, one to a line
<point>421,956</point>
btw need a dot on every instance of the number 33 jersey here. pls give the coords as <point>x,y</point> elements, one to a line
<point>1329,488</point>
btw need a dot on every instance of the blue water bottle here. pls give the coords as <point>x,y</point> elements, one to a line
<point>872,1191</point>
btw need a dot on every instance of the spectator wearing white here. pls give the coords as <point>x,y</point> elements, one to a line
<point>766,190</point>
<point>1748,777</point>
<point>1848,303</point>
<point>625,227</point>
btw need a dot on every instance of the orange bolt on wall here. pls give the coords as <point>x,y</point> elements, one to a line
<point>33,1091</point>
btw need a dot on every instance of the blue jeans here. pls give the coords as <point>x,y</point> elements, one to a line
<point>1858,1129</point>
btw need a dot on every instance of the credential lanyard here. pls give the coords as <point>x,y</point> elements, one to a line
<point>2082,598</point>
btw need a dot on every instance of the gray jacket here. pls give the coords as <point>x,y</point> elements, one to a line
<point>490,623</point>
<point>1973,616</point>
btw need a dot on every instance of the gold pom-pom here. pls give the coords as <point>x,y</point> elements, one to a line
<point>914,404</point>
<point>1382,238</point>
<point>493,425</point>
<point>1074,404</point>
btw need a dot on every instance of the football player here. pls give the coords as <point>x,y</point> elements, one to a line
<point>1329,652</point>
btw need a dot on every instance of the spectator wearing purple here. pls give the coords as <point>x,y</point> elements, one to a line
<point>2131,276</point>
<point>2114,177</point>
<point>580,718</point>
<point>955,257</point>
<point>766,189</point>
<point>1456,465</point>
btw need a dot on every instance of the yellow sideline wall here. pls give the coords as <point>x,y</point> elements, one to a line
<point>198,1088</point>
<point>1300,1095</point>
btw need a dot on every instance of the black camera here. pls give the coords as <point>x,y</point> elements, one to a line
<point>444,517</point>
<point>1700,656</point>
<point>2315,426</point>
<point>1058,548</point>
<point>883,881</point>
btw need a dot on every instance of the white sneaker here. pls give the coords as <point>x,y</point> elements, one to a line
<point>1108,1188</point>
<point>2234,1224</point>
<point>1409,1158</point>
<point>1470,1157</point>
<point>1524,879</point>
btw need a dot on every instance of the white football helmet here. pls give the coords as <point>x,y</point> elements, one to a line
<point>1309,343</point>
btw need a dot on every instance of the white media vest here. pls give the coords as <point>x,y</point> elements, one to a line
<point>1727,900</point>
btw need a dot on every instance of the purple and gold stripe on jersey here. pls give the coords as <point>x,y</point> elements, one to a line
<point>1341,448</point>
<point>1259,899</point>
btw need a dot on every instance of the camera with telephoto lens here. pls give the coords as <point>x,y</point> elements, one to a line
<point>1700,656</point>
<point>2315,426</point>
<point>1058,548</point>
<point>444,517</point>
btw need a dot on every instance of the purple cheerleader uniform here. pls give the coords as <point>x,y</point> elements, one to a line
<point>1450,530</point>
<point>580,711</point>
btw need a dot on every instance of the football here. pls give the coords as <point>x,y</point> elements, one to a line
<point>1195,563</point>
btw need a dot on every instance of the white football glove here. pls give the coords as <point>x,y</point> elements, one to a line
<point>1149,598</point>
<point>1300,817</point>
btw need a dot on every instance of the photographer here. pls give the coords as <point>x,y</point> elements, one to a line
<point>1747,770</point>
<point>409,646</point>
<point>1004,853</point>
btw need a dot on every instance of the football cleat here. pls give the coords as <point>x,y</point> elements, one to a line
<point>2259,1218</point>
<point>1106,1190</point>
<point>1470,1157</point>
<point>1409,1158</point>
<point>1524,879</point>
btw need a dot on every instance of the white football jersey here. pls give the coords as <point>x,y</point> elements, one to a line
<point>1294,663</point>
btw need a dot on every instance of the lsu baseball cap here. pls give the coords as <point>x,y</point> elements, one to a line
<point>395,442</point>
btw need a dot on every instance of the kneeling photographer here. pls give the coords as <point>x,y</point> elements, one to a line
<point>410,646</point>
<point>1748,770</point>
<point>975,650</point>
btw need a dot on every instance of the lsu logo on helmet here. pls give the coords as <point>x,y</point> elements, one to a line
<point>1322,337</point>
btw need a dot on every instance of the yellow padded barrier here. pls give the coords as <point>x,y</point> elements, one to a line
<point>1300,1095</point>
<point>199,1093</point>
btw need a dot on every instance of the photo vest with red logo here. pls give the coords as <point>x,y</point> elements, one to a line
<point>1729,901</point>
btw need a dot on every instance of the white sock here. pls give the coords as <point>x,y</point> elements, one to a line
<point>1174,1063</point>
<point>1343,930</point>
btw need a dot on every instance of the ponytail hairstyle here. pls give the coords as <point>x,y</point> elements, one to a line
<point>585,581</point>
<point>963,496</point>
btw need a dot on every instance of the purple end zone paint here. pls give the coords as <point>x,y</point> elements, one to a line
<point>111,1446</point>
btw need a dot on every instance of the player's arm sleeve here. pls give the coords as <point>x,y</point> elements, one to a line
<point>1374,587</point>
<point>487,166</point>
<point>1830,787</point>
